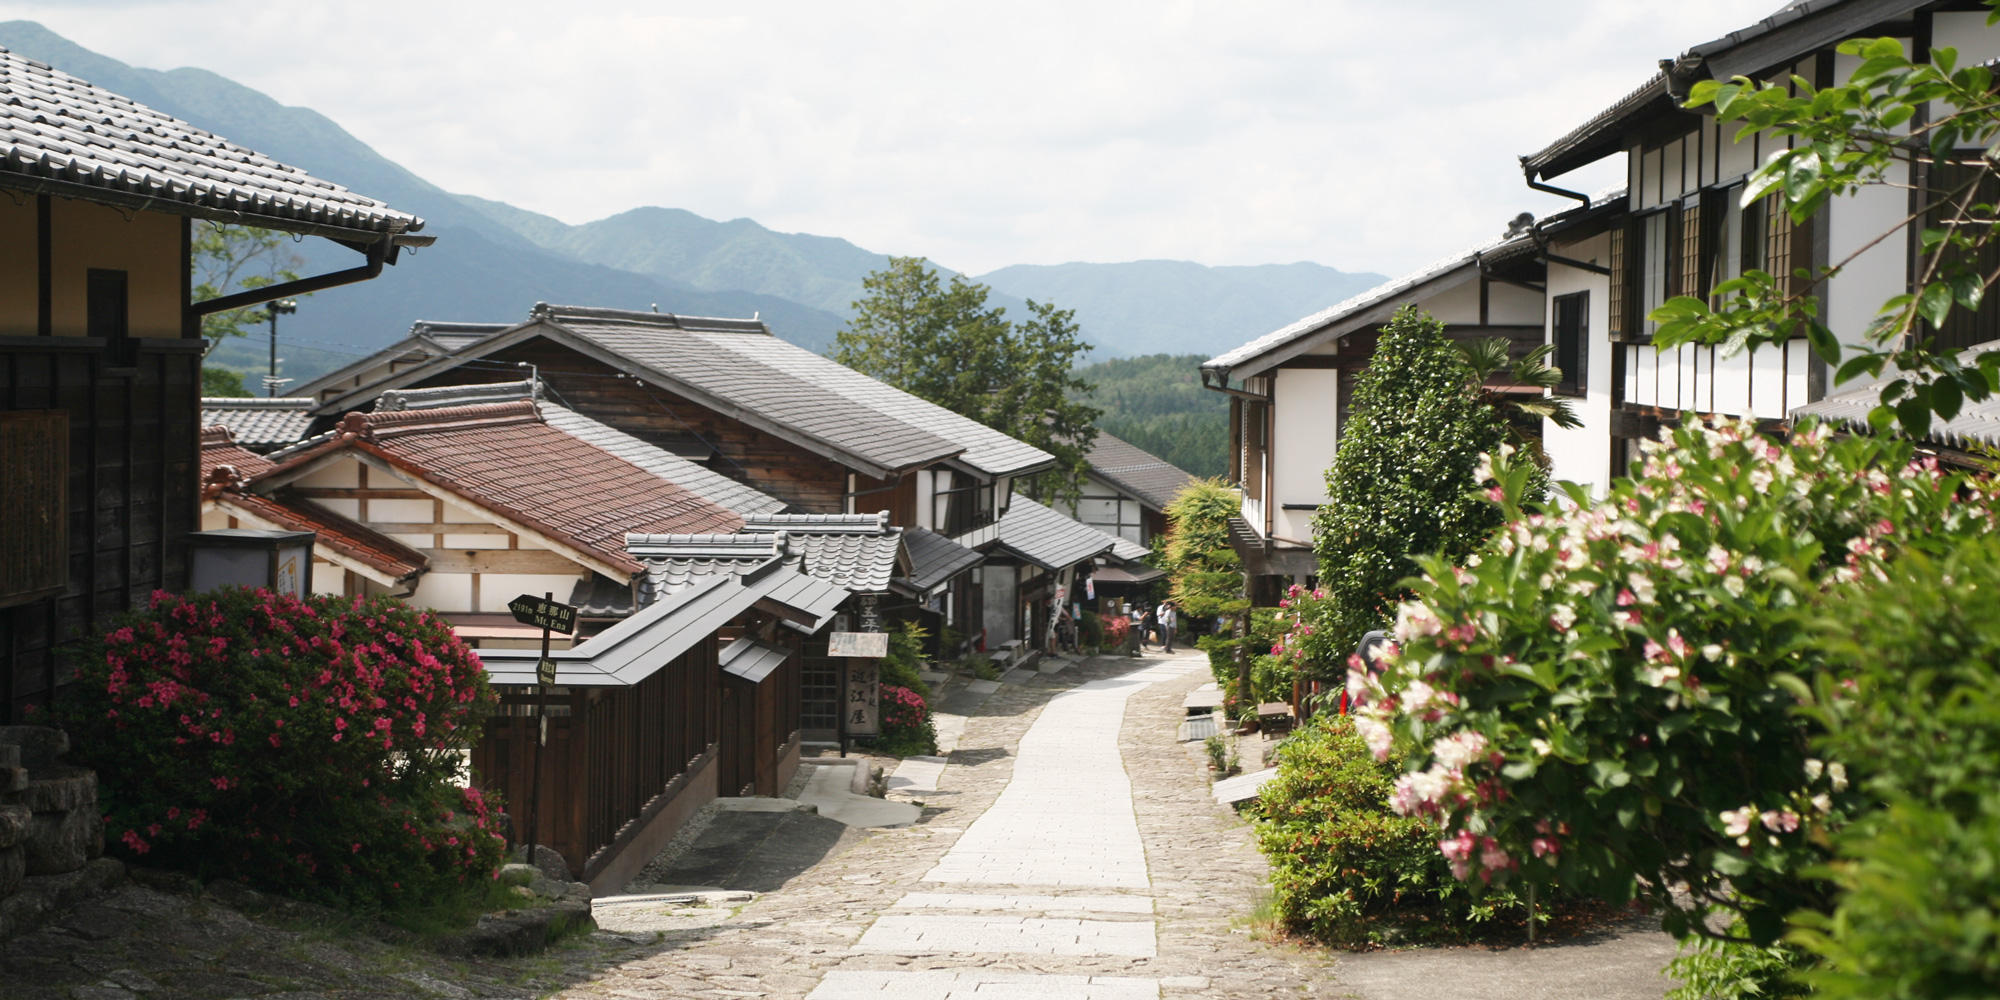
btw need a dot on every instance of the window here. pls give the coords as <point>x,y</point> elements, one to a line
<point>106,313</point>
<point>1571,338</point>
<point>1945,181</point>
<point>34,534</point>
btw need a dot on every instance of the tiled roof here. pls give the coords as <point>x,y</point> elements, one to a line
<point>219,448</point>
<point>1049,539</point>
<point>707,483</point>
<point>720,368</point>
<point>338,536</point>
<point>717,488</point>
<point>1145,475</point>
<point>934,559</point>
<point>1253,357</point>
<point>861,552</point>
<point>60,135</point>
<point>986,449</point>
<point>1130,551</point>
<point>259,424</point>
<point>503,458</point>
<point>1977,422</point>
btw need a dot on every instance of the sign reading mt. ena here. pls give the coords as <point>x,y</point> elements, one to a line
<point>543,613</point>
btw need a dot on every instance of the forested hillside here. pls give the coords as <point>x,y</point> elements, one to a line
<point>1156,402</point>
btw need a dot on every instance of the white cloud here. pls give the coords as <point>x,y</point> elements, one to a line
<point>1355,133</point>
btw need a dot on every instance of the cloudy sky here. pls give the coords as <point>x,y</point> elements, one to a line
<point>1362,134</point>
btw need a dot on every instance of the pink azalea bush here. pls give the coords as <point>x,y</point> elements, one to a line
<point>1606,695</point>
<point>906,722</point>
<point>306,746</point>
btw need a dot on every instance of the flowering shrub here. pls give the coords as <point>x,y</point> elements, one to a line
<point>1344,869</point>
<point>305,746</point>
<point>1607,695</point>
<point>906,723</point>
<point>1117,631</point>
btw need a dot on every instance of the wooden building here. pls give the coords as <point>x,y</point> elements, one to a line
<point>1681,228</point>
<point>100,347</point>
<point>1290,391</point>
<point>1126,490</point>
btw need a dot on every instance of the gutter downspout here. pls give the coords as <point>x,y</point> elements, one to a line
<point>378,255</point>
<point>1535,229</point>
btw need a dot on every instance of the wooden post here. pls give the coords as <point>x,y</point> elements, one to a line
<point>541,740</point>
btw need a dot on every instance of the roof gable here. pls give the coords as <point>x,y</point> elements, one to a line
<point>1154,480</point>
<point>501,457</point>
<point>63,136</point>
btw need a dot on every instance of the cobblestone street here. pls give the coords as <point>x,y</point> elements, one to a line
<point>1070,850</point>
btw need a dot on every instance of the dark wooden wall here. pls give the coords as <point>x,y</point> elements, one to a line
<point>758,722</point>
<point>615,756</point>
<point>134,436</point>
<point>804,478</point>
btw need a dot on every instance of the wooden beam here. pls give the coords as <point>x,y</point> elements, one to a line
<point>540,561</point>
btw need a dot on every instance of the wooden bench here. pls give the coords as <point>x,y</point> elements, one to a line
<point>1274,718</point>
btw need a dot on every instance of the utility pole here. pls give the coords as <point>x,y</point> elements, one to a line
<point>272,311</point>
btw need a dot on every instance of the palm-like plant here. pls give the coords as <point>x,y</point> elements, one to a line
<point>1490,356</point>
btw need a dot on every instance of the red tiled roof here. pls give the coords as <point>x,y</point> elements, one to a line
<point>353,540</point>
<point>502,457</point>
<point>219,448</point>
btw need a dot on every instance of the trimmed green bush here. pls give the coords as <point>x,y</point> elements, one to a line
<point>1402,482</point>
<point>310,747</point>
<point>1344,869</point>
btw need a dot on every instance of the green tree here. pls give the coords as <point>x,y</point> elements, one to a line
<point>1156,401</point>
<point>1524,413</point>
<point>1893,113</point>
<point>1206,575</point>
<point>227,259</point>
<point>1403,478</point>
<point>941,341</point>
<point>222,382</point>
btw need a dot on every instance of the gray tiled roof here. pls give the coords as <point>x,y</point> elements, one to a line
<point>1364,307</point>
<point>260,425</point>
<point>986,449</point>
<point>1130,551</point>
<point>1049,539</point>
<point>1145,475</point>
<point>1977,422</point>
<point>61,135</point>
<point>721,366</point>
<point>934,559</point>
<point>861,552</point>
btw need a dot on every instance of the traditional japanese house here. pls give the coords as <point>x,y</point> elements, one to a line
<point>100,346</point>
<point>1290,391</point>
<point>1126,491</point>
<point>1685,228</point>
<point>816,435</point>
<point>259,424</point>
<point>1032,568</point>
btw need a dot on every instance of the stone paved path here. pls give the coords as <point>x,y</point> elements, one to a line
<point>1069,851</point>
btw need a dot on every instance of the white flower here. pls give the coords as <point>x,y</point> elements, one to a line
<point>1838,772</point>
<point>1814,766</point>
<point>1458,750</point>
<point>1823,802</point>
<point>1376,734</point>
<point>1736,822</point>
<point>1733,584</point>
<point>1541,747</point>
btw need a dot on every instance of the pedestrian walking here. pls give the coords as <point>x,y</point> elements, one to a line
<point>1151,626</point>
<point>1167,621</point>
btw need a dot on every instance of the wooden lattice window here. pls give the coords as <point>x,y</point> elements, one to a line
<point>34,504</point>
<point>1619,278</point>
<point>1778,244</point>
<point>1690,280</point>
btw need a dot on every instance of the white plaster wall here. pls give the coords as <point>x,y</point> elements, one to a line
<point>1512,305</point>
<point>446,592</point>
<point>1967,32</point>
<point>1302,446</point>
<point>496,589</point>
<point>1583,455</point>
<point>1855,295</point>
<point>403,511</point>
<point>473,540</point>
<point>1459,304</point>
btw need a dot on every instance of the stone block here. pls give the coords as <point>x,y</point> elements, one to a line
<point>61,842</point>
<point>22,912</point>
<point>14,825</point>
<point>40,746</point>
<point>61,789</point>
<point>10,756</point>
<point>13,780</point>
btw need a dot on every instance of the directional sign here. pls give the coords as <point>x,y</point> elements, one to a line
<point>858,644</point>
<point>545,671</point>
<point>543,613</point>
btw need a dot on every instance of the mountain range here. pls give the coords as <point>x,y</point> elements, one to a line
<point>493,260</point>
